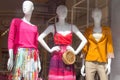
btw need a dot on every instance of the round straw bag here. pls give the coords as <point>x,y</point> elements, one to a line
<point>68,57</point>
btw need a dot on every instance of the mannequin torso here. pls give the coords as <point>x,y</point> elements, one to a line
<point>97,33</point>
<point>63,29</point>
<point>97,36</point>
<point>26,21</point>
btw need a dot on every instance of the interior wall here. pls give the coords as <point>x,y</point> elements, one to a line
<point>115,26</point>
<point>0,50</point>
<point>69,4</point>
<point>105,16</point>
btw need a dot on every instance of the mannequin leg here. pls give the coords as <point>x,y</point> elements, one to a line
<point>90,70</point>
<point>101,71</point>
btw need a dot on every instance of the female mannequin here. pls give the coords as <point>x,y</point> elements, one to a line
<point>22,42</point>
<point>101,37</point>
<point>62,32</point>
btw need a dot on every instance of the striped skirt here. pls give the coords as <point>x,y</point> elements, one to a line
<point>26,64</point>
<point>58,70</point>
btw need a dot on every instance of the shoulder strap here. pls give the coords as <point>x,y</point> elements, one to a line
<point>71,28</point>
<point>54,28</point>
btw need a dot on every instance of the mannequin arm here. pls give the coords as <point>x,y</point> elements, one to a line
<point>108,66</point>
<point>39,64</point>
<point>10,60</point>
<point>81,37</point>
<point>41,37</point>
<point>11,53</point>
<point>42,41</point>
<point>44,44</point>
<point>83,67</point>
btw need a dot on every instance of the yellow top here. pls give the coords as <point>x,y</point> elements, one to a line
<point>98,50</point>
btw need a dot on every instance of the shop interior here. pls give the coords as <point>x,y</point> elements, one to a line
<point>79,13</point>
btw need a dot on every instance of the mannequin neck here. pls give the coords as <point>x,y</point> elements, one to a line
<point>97,28</point>
<point>27,19</point>
<point>61,21</point>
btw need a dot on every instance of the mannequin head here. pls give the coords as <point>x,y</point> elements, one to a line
<point>27,7</point>
<point>97,15</point>
<point>62,11</point>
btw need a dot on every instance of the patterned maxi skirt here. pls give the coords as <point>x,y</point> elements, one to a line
<point>58,70</point>
<point>26,64</point>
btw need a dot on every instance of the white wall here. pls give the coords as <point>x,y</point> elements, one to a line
<point>115,26</point>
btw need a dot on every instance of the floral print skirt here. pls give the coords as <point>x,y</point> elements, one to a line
<point>26,64</point>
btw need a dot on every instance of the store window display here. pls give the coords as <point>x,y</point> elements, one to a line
<point>62,34</point>
<point>23,44</point>
<point>98,52</point>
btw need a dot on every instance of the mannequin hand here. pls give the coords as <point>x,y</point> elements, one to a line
<point>108,66</point>
<point>71,49</point>
<point>82,70</point>
<point>108,69</point>
<point>10,64</point>
<point>39,65</point>
<point>55,48</point>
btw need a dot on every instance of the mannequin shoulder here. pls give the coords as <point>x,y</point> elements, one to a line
<point>106,29</point>
<point>89,29</point>
<point>51,25</point>
<point>74,28</point>
<point>16,21</point>
<point>32,24</point>
<point>50,28</point>
<point>72,25</point>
